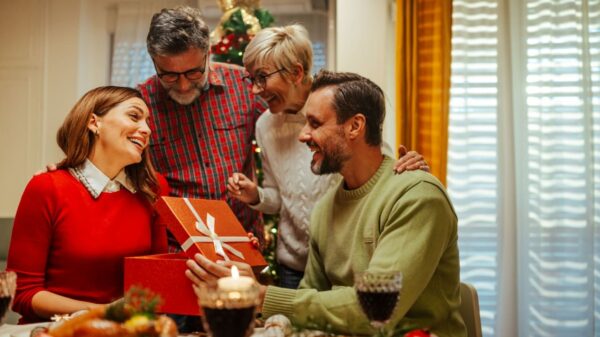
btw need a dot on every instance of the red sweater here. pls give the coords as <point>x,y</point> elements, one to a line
<point>66,242</point>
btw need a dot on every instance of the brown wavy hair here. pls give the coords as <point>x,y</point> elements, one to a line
<point>77,141</point>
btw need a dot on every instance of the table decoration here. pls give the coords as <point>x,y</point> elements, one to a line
<point>229,305</point>
<point>133,316</point>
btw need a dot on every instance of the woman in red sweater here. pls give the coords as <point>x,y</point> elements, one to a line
<point>75,225</point>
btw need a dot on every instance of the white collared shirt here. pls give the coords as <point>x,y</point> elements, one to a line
<point>97,182</point>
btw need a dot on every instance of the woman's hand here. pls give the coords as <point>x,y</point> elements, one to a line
<point>409,161</point>
<point>242,188</point>
<point>254,240</point>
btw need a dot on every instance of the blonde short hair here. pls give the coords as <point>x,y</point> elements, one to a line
<point>281,47</point>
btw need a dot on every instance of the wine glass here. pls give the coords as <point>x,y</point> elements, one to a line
<point>378,294</point>
<point>8,285</point>
<point>228,313</point>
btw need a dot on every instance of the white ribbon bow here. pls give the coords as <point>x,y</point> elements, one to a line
<point>210,236</point>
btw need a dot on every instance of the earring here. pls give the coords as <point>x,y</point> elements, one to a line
<point>97,133</point>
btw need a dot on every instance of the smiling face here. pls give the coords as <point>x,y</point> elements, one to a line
<point>323,135</point>
<point>281,89</point>
<point>184,90</point>
<point>122,133</point>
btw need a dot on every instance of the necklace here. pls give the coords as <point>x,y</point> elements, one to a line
<point>79,175</point>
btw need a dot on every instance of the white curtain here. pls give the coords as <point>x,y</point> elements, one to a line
<point>131,63</point>
<point>524,162</point>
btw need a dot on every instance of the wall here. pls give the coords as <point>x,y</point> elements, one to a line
<point>59,49</point>
<point>21,67</point>
<point>61,60</point>
<point>366,45</point>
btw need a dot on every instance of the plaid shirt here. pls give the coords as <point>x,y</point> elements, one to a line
<point>198,146</point>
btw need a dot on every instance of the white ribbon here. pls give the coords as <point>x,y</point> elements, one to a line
<point>219,242</point>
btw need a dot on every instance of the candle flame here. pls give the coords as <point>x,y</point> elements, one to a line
<point>235,272</point>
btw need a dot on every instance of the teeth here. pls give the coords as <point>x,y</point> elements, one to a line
<point>135,141</point>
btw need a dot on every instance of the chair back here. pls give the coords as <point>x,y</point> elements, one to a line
<point>469,309</point>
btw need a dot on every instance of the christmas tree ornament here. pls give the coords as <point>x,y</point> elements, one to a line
<point>241,20</point>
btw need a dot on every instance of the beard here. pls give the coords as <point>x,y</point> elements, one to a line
<point>187,98</point>
<point>331,163</point>
<point>334,155</point>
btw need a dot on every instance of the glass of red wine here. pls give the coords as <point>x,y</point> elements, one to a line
<point>8,285</point>
<point>378,294</point>
<point>226,312</point>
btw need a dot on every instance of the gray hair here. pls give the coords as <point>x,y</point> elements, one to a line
<point>174,31</point>
<point>281,46</point>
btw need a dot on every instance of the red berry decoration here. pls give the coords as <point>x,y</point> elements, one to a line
<point>418,333</point>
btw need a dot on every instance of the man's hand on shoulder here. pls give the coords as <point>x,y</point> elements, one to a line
<point>49,168</point>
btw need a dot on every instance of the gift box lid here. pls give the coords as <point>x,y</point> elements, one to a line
<point>208,227</point>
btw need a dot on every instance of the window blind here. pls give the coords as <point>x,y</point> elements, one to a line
<point>559,249</point>
<point>472,147</point>
<point>556,86</point>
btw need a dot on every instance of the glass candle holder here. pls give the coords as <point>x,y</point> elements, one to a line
<point>8,286</point>
<point>228,312</point>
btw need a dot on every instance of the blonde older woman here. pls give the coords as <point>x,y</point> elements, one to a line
<point>279,61</point>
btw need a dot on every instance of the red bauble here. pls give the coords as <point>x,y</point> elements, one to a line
<point>418,333</point>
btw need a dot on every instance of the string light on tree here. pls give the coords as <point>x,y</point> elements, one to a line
<point>241,20</point>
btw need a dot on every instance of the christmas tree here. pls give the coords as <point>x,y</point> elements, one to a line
<point>241,20</point>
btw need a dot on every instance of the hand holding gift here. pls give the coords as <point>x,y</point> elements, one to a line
<point>205,228</point>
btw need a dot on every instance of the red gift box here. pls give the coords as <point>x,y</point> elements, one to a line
<point>207,227</point>
<point>200,226</point>
<point>163,274</point>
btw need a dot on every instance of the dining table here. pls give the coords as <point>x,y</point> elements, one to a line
<point>24,330</point>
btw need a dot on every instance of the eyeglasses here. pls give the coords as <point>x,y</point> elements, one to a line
<point>260,80</point>
<point>192,74</point>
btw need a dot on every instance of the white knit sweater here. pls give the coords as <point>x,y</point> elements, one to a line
<point>289,187</point>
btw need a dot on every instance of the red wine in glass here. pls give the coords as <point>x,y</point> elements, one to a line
<point>229,322</point>
<point>378,294</point>
<point>378,306</point>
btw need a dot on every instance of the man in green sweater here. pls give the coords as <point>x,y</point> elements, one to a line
<point>373,221</point>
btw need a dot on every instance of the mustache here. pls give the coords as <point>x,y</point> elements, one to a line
<point>311,144</point>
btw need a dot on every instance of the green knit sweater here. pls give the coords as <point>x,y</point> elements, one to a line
<point>393,222</point>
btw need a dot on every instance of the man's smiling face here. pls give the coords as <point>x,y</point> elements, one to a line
<point>322,134</point>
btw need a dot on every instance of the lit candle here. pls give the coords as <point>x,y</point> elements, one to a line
<point>235,282</point>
